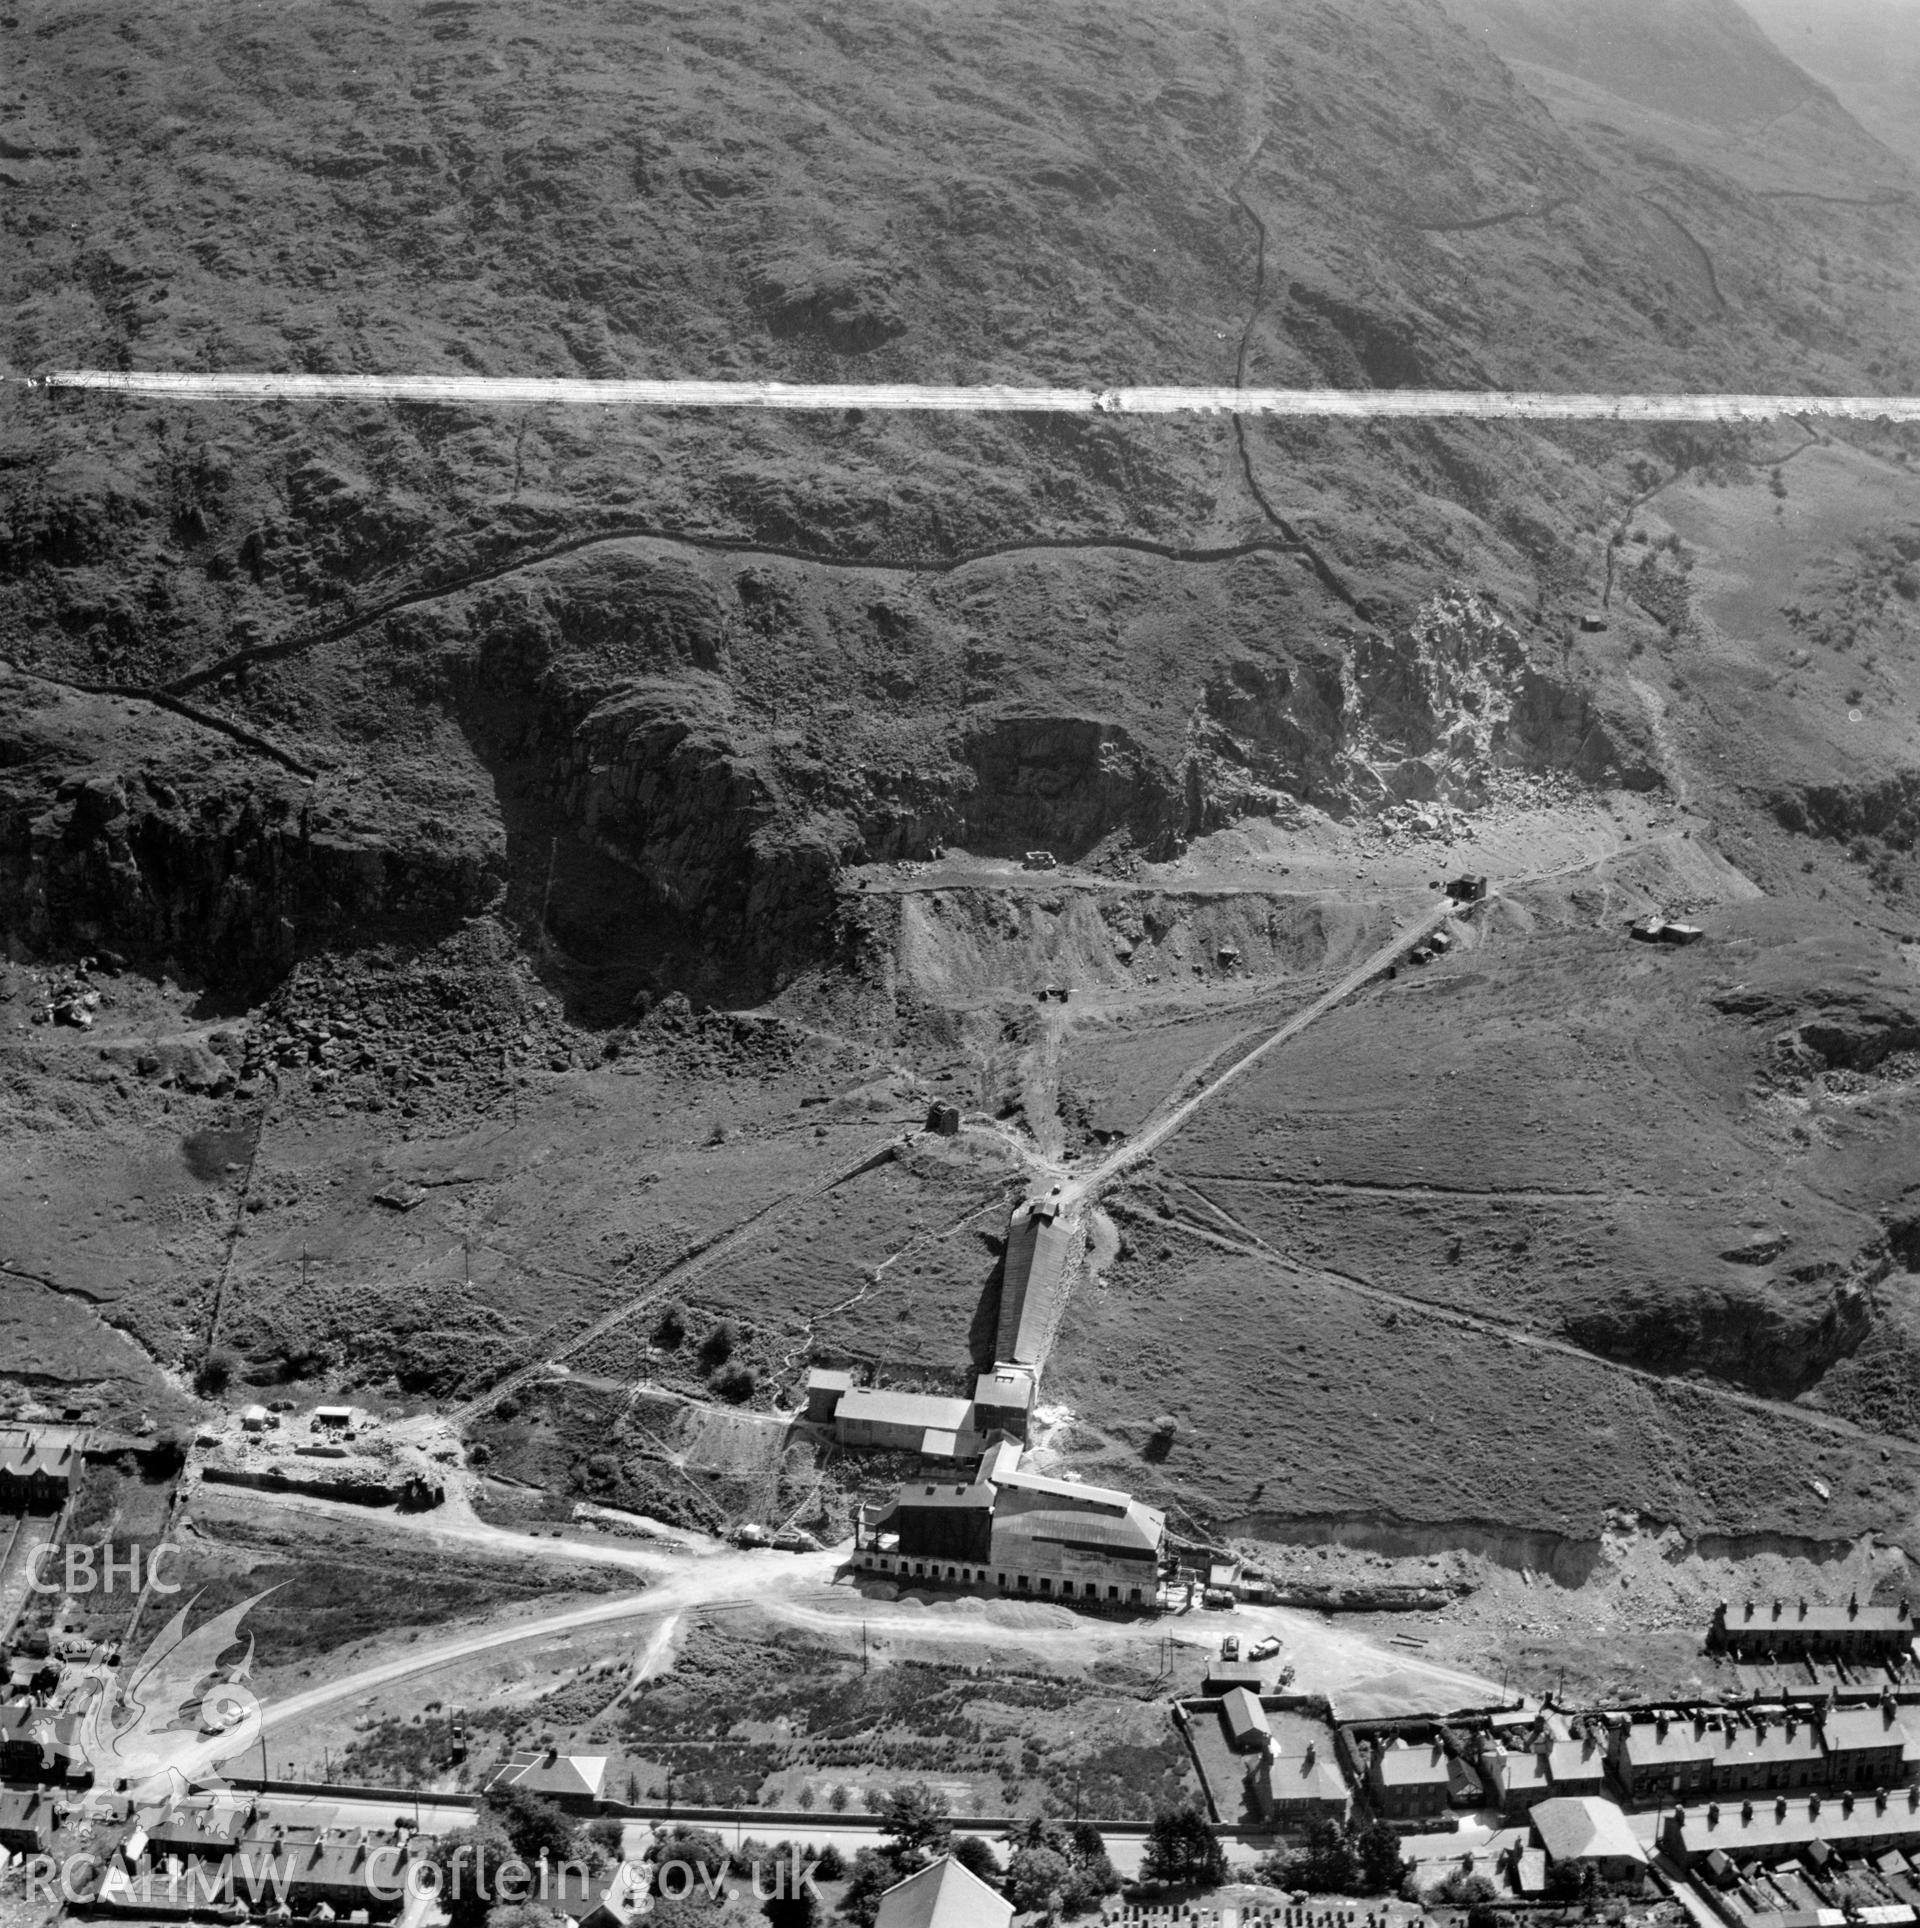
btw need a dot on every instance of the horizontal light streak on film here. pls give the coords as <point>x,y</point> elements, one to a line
<point>1372,404</point>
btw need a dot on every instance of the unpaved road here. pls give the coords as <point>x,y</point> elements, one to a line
<point>1362,1672</point>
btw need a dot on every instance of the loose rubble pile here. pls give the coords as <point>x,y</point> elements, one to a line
<point>71,998</point>
<point>454,1028</point>
<point>709,1044</point>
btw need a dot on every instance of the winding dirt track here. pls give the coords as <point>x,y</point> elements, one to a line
<point>301,640</point>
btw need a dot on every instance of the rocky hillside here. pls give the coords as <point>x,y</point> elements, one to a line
<point>438,784</point>
<point>730,656</point>
<point>1867,51</point>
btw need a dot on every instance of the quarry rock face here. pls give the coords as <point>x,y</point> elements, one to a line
<point>227,877</point>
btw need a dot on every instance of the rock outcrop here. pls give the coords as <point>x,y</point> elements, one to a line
<point>124,828</point>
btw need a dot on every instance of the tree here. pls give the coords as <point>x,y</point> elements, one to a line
<point>1088,1885</point>
<point>697,1847</point>
<point>1324,1863</point>
<point>791,1911</point>
<point>735,1384</point>
<point>875,1870</point>
<point>1382,1867</point>
<point>607,1835</point>
<point>830,1864</point>
<point>1037,1880</point>
<point>917,1817</point>
<point>1090,1875</point>
<point>538,1829</point>
<point>1483,1914</point>
<point>1040,1831</point>
<point>1330,1866</point>
<point>1573,1881</point>
<point>468,1863</point>
<point>1182,1849</point>
<point>976,1855</point>
<point>694,1910</point>
<point>1088,1843</point>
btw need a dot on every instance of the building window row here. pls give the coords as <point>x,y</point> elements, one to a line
<point>969,1576</point>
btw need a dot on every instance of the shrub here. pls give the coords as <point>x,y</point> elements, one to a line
<point>1037,1881</point>
<point>1460,1890</point>
<point>215,1372</point>
<point>975,1855</point>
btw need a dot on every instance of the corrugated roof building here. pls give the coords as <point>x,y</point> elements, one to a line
<point>1019,1533</point>
<point>1072,1541</point>
<point>872,1416</point>
<point>1032,1281</point>
<point>1003,1401</point>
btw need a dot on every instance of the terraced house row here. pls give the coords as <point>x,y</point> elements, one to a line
<point>1762,1749</point>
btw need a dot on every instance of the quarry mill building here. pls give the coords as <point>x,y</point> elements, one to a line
<point>1017,1532</point>
<point>1006,1529</point>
